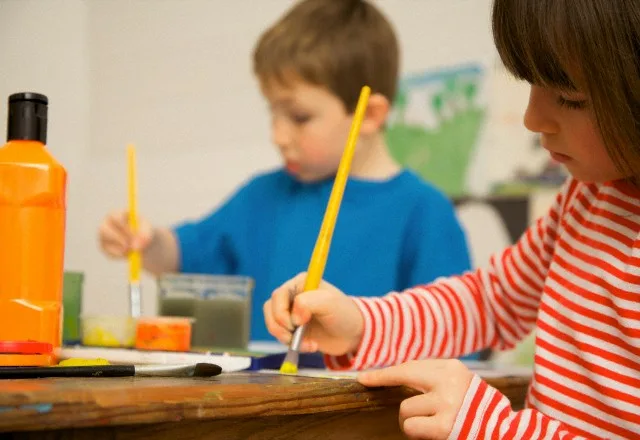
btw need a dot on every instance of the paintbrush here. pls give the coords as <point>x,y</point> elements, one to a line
<point>135,259</point>
<point>323,242</point>
<point>186,370</point>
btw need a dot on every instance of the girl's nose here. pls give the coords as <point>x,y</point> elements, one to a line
<point>540,114</point>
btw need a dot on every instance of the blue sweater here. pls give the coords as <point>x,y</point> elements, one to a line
<point>390,235</point>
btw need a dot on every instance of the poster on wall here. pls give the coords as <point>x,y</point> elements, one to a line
<point>460,127</point>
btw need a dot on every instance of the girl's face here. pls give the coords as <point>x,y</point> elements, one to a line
<point>569,132</point>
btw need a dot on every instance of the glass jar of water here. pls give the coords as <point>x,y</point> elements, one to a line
<point>220,306</point>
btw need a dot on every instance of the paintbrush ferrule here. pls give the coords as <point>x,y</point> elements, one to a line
<point>296,339</point>
<point>135,299</point>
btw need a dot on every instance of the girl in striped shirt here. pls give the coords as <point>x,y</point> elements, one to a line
<point>574,275</point>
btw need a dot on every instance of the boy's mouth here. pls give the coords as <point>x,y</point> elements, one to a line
<point>292,167</point>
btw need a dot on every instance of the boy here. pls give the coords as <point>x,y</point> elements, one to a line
<point>394,230</point>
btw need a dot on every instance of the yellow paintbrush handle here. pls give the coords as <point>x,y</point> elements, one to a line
<point>135,266</point>
<point>323,243</point>
<point>135,259</point>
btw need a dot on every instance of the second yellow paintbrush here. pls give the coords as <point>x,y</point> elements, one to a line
<point>323,243</point>
<point>135,259</point>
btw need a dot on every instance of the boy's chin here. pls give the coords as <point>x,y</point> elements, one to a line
<point>307,178</point>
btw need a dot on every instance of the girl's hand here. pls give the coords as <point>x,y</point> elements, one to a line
<point>444,384</point>
<point>334,324</point>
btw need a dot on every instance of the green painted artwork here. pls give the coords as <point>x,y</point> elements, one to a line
<point>435,125</point>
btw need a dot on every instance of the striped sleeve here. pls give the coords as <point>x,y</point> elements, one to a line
<point>485,413</point>
<point>493,307</point>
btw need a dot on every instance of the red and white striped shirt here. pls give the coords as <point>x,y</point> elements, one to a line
<point>575,275</point>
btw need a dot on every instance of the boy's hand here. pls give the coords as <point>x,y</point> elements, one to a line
<point>334,322</point>
<point>117,239</point>
<point>444,384</point>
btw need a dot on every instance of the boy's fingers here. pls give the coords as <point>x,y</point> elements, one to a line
<point>138,244</point>
<point>113,237</point>
<point>120,220</point>
<point>122,217</point>
<point>142,240</point>
<point>114,250</point>
<point>115,229</point>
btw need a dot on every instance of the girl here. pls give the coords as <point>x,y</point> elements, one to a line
<point>575,274</point>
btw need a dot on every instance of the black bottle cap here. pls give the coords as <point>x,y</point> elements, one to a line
<point>27,119</point>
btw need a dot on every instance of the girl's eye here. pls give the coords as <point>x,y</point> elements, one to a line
<point>572,104</point>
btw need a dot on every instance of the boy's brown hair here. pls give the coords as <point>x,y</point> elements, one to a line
<point>341,45</point>
<point>588,45</point>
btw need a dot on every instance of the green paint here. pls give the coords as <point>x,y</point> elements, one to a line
<point>220,306</point>
<point>72,306</point>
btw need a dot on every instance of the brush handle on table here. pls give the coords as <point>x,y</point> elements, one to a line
<point>85,371</point>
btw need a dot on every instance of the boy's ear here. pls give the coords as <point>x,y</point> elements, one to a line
<point>376,114</point>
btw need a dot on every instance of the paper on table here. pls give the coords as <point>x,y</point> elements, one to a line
<point>485,370</point>
<point>228,363</point>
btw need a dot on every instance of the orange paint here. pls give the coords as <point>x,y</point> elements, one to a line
<point>32,234</point>
<point>169,334</point>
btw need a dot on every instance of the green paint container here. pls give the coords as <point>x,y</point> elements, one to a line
<point>220,306</point>
<point>72,307</point>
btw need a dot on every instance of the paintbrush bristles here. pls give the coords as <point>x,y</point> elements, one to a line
<point>290,364</point>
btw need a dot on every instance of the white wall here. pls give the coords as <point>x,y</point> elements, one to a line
<point>174,77</point>
<point>44,48</point>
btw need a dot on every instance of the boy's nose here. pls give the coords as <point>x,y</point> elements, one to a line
<point>540,114</point>
<point>280,134</point>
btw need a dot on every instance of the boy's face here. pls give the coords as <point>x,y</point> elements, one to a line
<point>309,125</point>
<point>569,132</point>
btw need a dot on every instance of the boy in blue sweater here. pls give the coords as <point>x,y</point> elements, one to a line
<point>394,230</point>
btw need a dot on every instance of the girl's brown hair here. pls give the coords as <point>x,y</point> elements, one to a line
<point>588,45</point>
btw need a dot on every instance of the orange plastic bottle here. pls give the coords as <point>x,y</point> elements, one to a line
<point>32,227</point>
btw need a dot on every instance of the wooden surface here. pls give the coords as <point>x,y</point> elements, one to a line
<point>239,405</point>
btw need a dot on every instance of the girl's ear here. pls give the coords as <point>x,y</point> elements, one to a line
<point>376,114</point>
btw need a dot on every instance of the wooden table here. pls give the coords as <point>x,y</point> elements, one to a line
<point>230,406</point>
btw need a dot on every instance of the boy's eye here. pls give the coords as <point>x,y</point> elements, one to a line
<point>571,103</point>
<point>300,118</point>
